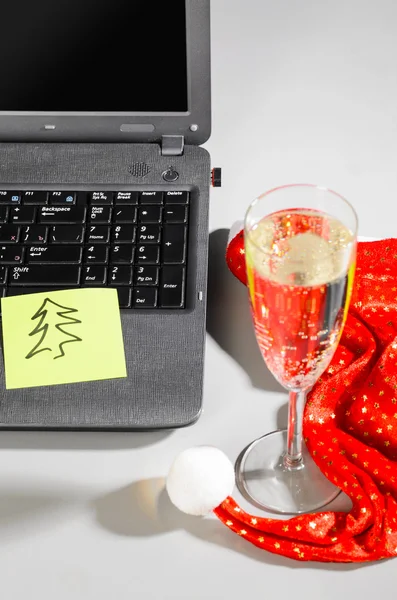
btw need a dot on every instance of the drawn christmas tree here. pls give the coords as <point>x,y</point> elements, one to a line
<point>54,334</point>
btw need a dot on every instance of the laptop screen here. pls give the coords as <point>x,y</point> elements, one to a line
<point>93,55</point>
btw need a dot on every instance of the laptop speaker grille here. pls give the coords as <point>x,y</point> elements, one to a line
<point>139,169</point>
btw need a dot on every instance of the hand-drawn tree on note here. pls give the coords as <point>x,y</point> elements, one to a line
<point>53,335</point>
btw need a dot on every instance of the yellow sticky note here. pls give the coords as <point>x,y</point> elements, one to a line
<point>60,337</point>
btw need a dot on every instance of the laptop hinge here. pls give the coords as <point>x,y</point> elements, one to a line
<point>172,145</point>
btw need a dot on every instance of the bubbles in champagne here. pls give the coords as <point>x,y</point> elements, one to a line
<point>300,248</point>
<point>297,264</point>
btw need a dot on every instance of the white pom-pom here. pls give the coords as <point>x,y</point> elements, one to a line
<point>200,479</point>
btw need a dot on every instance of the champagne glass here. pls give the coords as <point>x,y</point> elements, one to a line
<point>300,247</point>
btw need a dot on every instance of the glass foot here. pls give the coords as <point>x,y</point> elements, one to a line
<point>264,481</point>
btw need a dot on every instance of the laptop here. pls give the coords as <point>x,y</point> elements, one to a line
<point>104,105</point>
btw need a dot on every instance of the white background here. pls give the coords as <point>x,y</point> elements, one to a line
<point>303,91</point>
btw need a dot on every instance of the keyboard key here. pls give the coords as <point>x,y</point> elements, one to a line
<point>11,255</point>
<point>54,215</point>
<point>151,198</point>
<point>148,255</point>
<point>122,254</point>
<point>146,276</point>
<point>54,254</point>
<point>123,234</point>
<point>9,197</point>
<point>23,214</point>
<point>3,274</point>
<point>9,234</point>
<point>36,197</point>
<point>175,214</point>
<point>124,295</point>
<point>176,197</point>
<point>172,287</point>
<point>67,234</point>
<point>126,198</point>
<point>34,234</point>
<point>44,275</point>
<point>101,197</point>
<point>3,214</point>
<point>144,297</point>
<point>93,275</point>
<point>149,214</point>
<point>100,214</point>
<point>124,214</point>
<point>149,234</point>
<point>62,198</point>
<point>120,275</point>
<point>174,244</point>
<point>96,254</point>
<point>98,233</point>
<point>19,291</point>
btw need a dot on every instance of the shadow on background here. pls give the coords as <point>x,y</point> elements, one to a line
<point>18,507</point>
<point>229,320</point>
<point>143,509</point>
<point>75,440</point>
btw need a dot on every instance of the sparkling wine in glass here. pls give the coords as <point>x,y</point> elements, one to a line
<point>300,246</point>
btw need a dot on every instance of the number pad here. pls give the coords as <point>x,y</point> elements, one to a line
<point>96,254</point>
<point>124,214</point>
<point>175,214</point>
<point>144,298</point>
<point>123,234</point>
<point>148,255</point>
<point>98,234</point>
<point>150,214</point>
<point>122,254</point>
<point>146,276</point>
<point>149,234</point>
<point>94,275</point>
<point>120,275</point>
<point>100,214</point>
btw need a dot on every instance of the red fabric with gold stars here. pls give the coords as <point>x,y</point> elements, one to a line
<point>350,428</point>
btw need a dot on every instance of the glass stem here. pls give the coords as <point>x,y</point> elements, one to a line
<point>293,455</point>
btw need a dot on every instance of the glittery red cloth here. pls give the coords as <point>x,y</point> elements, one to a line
<point>350,428</point>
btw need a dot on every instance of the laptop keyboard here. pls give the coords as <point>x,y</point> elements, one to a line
<point>135,242</point>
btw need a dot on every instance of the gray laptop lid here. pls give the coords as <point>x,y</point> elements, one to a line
<point>105,70</point>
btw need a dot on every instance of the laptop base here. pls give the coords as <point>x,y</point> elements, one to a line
<point>164,349</point>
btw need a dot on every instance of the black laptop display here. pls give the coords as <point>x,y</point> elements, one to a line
<point>94,56</point>
<point>103,107</point>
